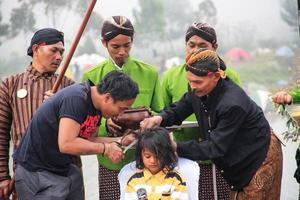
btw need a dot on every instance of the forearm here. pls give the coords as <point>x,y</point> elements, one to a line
<point>105,139</point>
<point>80,146</point>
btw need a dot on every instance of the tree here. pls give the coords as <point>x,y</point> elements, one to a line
<point>149,20</point>
<point>22,20</point>
<point>3,27</point>
<point>289,13</point>
<point>207,12</point>
<point>178,17</point>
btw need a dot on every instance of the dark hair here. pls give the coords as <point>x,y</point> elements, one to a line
<point>157,141</point>
<point>119,85</point>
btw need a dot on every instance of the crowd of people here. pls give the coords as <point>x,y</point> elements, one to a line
<point>237,152</point>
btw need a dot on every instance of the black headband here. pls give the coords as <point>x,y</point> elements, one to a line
<point>112,31</point>
<point>46,35</point>
<point>201,33</point>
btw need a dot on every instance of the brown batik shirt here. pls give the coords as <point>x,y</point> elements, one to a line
<point>20,96</point>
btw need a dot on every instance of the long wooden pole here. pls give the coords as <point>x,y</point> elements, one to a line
<point>74,45</point>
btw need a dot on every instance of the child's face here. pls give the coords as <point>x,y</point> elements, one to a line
<point>150,161</point>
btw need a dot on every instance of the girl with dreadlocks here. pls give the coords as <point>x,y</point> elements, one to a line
<point>156,177</point>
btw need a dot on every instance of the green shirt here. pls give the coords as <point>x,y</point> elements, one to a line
<point>149,95</point>
<point>174,85</point>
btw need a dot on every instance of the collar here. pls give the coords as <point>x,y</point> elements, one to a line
<point>34,74</point>
<point>148,175</point>
<point>123,66</point>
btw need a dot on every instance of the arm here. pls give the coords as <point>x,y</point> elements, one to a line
<point>174,114</point>
<point>167,98</point>
<point>221,137</point>
<point>177,112</point>
<point>5,128</point>
<point>157,101</point>
<point>70,143</point>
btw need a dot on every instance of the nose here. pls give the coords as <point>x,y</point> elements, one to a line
<point>58,56</point>
<point>122,51</point>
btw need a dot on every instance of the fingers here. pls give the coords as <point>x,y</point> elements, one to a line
<point>48,94</point>
<point>282,98</point>
<point>128,139</point>
<point>114,152</point>
<point>150,122</point>
<point>112,127</point>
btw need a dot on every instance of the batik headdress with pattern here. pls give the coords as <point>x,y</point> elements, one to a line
<point>204,62</point>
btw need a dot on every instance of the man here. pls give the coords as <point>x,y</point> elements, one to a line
<point>21,94</point>
<point>238,138</point>
<point>64,126</point>
<point>175,84</point>
<point>117,37</point>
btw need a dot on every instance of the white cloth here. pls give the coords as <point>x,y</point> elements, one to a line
<point>188,168</point>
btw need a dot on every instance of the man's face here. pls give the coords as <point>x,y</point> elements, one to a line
<point>196,42</point>
<point>111,108</point>
<point>151,161</point>
<point>202,85</point>
<point>119,48</point>
<point>48,57</point>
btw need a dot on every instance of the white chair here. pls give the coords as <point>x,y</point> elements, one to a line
<point>188,168</point>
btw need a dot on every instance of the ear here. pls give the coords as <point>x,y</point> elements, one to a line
<point>35,48</point>
<point>107,98</point>
<point>215,46</point>
<point>217,76</point>
<point>104,43</point>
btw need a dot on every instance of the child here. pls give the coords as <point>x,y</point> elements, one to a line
<point>155,177</point>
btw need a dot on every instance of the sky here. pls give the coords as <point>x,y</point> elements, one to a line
<point>264,14</point>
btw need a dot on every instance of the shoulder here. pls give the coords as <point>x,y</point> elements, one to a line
<point>174,174</point>
<point>11,80</point>
<point>96,68</point>
<point>136,176</point>
<point>174,71</point>
<point>144,66</point>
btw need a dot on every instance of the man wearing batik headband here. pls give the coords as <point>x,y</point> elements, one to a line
<point>175,84</point>
<point>237,137</point>
<point>117,37</point>
<point>21,94</point>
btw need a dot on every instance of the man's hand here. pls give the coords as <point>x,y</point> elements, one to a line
<point>128,139</point>
<point>151,122</point>
<point>4,189</point>
<point>113,151</point>
<point>112,127</point>
<point>48,94</point>
<point>282,97</point>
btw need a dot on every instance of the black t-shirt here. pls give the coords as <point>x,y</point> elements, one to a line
<point>39,149</point>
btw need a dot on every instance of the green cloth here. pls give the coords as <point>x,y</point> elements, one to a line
<point>174,85</point>
<point>296,95</point>
<point>149,95</point>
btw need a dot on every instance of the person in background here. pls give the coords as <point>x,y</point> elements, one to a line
<point>156,177</point>
<point>21,94</point>
<point>175,85</point>
<point>65,126</point>
<point>238,137</point>
<point>117,37</point>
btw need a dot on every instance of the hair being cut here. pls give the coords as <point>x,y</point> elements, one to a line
<point>157,141</point>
